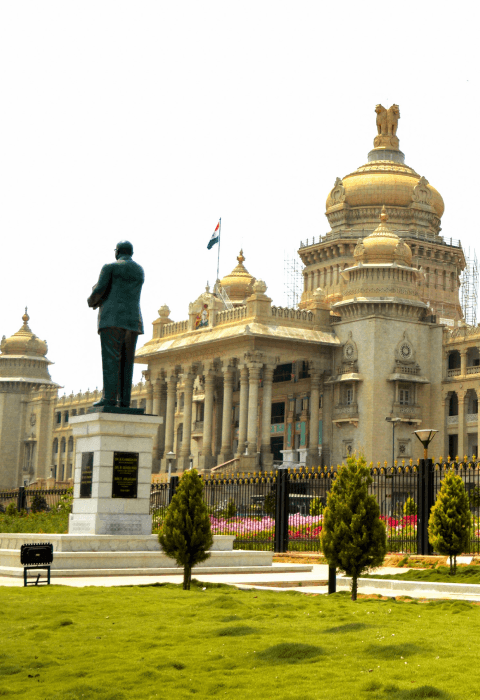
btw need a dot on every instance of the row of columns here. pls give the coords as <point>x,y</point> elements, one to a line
<point>161,399</point>
<point>460,427</point>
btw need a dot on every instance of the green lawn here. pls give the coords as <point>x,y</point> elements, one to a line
<point>465,574</point>
<point>62,643</point>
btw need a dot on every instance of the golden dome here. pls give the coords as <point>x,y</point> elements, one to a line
<point>239,283</point>
<point>385,180</point>
<point>383,246</point>
<point>24,342</point>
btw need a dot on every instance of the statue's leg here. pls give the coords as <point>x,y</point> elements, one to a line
<point>128,356</point>
<point>111,356</point>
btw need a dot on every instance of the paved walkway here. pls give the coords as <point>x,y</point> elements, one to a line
<point>314,581</point>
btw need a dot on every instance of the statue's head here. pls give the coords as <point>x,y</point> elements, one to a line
<point>379,108</point>
<point>123,248</point>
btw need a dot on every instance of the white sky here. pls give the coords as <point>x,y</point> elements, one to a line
<point>150,120</point>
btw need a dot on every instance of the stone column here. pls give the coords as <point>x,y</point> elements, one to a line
<point>170,417</point>
<point>226,448</point>
<point>463,365</point>
<point>206,461</point>
<point>313,459</point>
<point>478,426</point>
<point>243,412</point>
<point>266,452</point>
<point>254,377</point>
<point>149,404</point>
<point>155,410</point>
<point>186,447</point>
<point>461,424</point>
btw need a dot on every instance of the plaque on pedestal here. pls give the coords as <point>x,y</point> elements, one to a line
<point>125,475</point>
<point>86,475</point>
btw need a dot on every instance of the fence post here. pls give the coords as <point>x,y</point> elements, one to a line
<point>281,512</point>
<point>21,498</point>
<point>332,580</point>
<point>424,505</point>
<point>172,488</point>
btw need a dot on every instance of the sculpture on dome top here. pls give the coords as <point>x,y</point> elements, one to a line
<point>387,120</point>
<point>393,115</point>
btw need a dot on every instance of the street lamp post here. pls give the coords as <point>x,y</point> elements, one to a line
<point>170,457</point>
<point>394,422</point>
<point>425,436</point>
<point>425,494</point>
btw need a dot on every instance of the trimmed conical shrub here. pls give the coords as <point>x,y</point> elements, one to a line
<point>410,507</point>
<point>449,522</point>
<point>186,534</point>
<point>353,536</point>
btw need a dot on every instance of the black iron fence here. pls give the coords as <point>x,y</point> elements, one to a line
<point>32,499</point>
<point>283,510</point>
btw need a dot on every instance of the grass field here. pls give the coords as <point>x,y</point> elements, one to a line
<point>465,574</point>
<point>62,643</point>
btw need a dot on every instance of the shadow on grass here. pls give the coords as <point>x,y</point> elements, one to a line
<point>393,692</point>
<point>290,653</point>
<point>238,631</point>
<point>350,627</point>
<point>390,651</point>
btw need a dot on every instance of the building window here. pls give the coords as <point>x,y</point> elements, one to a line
<point>63,445</point>
<point>58,418</point>
<point>283,373</point>
<point>65,417</point>
<point>453,406</point>
<point>278,412</point>
<point>404,395</point>
<point>348,395</point>
<point>55,446</point>
<point>70,444</point>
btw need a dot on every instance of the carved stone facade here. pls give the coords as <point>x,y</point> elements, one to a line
<point>245,385</point>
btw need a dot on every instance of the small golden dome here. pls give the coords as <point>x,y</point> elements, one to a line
<point>24,342</point>
<point>383,246</point>
<point>239,283</point>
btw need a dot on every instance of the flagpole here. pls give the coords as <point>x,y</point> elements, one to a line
<point>219,237</point>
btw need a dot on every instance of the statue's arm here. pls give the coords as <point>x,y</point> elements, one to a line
<point>101,289</point>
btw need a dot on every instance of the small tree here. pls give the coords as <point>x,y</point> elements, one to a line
<point>449,522</point>
<point>186,535</point>
<point>316,506</point>
<point>410,507</point>
<point>353,536</point>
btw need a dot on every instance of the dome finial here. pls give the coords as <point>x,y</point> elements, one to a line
<point>240,257</point>
<point>25,317</point>
<point>383,215</point>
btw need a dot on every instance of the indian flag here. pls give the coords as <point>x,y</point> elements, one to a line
<point>214,237</point>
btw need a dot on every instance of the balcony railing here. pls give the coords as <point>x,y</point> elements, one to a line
<point>453,373</point>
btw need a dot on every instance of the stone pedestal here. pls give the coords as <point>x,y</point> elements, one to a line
<point>108,501</point>
<point>289,457</point>
<point>302,456</point>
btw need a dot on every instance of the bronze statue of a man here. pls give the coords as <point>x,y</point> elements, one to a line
<point>117,295</point>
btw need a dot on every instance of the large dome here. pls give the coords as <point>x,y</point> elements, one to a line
<point>410,200</point>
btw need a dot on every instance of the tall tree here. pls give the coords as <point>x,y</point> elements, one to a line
<point>353,536</point>
<point>449,522</point>
<point>186,534</point>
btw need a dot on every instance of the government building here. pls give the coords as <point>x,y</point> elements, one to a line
<point>377,348</point>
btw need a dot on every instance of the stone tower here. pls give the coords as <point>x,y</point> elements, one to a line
<point>27,401</point>
<point>414,210</point>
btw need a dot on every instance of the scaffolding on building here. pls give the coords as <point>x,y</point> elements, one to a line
<point>469,288</point>
<point>292,280</point>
